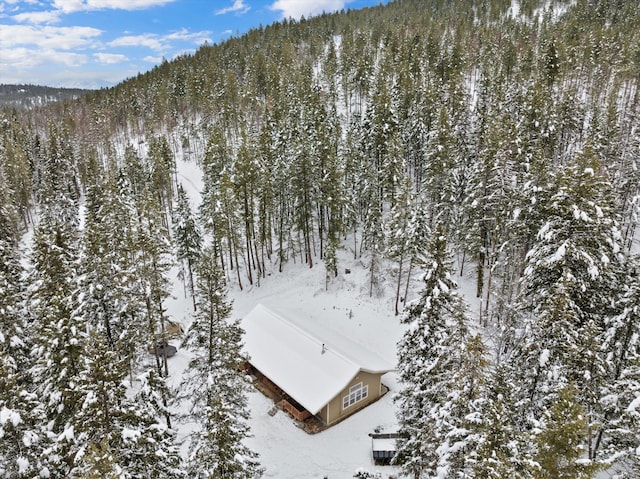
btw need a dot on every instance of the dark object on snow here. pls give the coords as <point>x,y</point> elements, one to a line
<point>161,348</point>
<point>383,447</point>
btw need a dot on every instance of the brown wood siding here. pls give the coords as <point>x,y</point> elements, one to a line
<point>300,414</point>
<point>323,414</point>
<point>335,409</point>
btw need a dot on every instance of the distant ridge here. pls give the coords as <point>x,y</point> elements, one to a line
<point>29,96</point>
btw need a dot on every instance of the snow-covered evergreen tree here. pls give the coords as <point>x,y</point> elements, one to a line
<point>502,450</point>
<point>398,235</point>
<point>621,399</point>
<point>373,238</point>
<point>214,384</point>
<point>187,236</point>
<point>219,208</point>
<point>58,333</point>
<point>153,249</point>
<point>442,368</point>
<point>418,234</point>
<point>570,286</point>
<point>116,433</point>
<point>457,414</point>
<point>331,260</point>
<point>559,440</point>
<point>19,407</point>
<point>111,292</point>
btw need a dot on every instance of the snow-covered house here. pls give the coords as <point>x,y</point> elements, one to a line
<point>327,375</point>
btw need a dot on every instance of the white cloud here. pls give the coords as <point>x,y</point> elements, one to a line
<point>13,5</point>
<point>149,40</point>
<point>48,37</point>
<point>69,6</point>
<point>51,16</point>
<point>94,78</point>
<point>110,58</point>
<point>186,36</point>
<point>296,8</point>
<point>238,6</point>
<point>161,43</point>
<point>150,59</point>
<point>25,58</point>
<point>62,76</point>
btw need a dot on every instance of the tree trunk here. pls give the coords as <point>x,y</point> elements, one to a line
<point>372,277</point>
<point>406,289</point>
<point>399,281</point>
<point>191,285</point>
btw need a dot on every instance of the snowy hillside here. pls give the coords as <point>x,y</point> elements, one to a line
<point>341,169</point>
<point>286,451</point>
<point>30,96</point>
<point>344,308</point>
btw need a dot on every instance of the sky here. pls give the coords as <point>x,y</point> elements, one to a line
<point>99,43</point>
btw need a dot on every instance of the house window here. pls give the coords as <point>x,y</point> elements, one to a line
<point>357,393</point>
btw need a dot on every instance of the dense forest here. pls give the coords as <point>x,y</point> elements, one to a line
<point>496,137</point>
<point>29,96</point>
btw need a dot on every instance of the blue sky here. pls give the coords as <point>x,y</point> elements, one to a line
<point>95,43</point>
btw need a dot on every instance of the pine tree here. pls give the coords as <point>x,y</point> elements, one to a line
<point>573,272</point>
<point>214,384</point>
<point>244,181</point>
<point>418,234</point>
<point>58,334</point>
<point>99,461</point>
<point>153,248</point>
<point>439,168</point>
<point>398,237</point>
<point>326,132</point>
<point>457,418</point>
<point>59,183</point>
<point>502,449</point>
<point>441,367</point>
<point>382,142</point>
<point>304,151</point>
<point>355,172</point>
<point>331,260</point>
<point>187,236</point>
<point>19,408</point>
<point>9,230</point>
<point>16,174</point>
<point>560,438</point>
<point>134,171</point>
<point>373,238</point>
<point>117,434</point>
<point>622,407</point>
<point>109,281</point>
<point>161,170</point>
<point>219,207</point>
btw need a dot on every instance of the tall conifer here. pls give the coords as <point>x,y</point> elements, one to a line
<point>214,384</point>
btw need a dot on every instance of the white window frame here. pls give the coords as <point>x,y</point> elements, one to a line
<point>357,393</point>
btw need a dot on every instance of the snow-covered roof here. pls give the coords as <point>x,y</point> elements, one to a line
<point>296,361</point>
<point>383,444</point>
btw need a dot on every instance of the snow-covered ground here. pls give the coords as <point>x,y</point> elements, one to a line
<point>346,308</point>
<point>286,451</point>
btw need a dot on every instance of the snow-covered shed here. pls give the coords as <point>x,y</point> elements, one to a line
<point>383,447</point>
<point>328,375</point>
